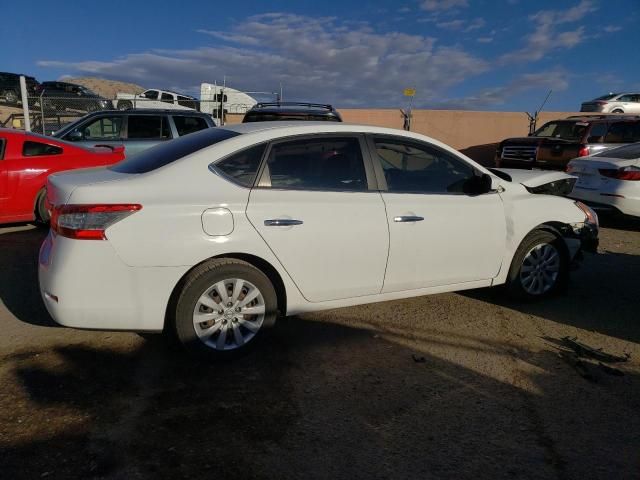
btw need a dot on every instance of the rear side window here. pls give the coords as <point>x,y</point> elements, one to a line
<point>242,167</point>
<point>628,152</point>
<point>318,164</point>
<point>166,153</point>
<point>186,125</point>
<point>167,98</point>
<point>142,127</point>
<point>37,149</point>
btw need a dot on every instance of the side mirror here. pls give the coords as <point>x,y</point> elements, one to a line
<point>75,136</point>
<point>478,184</point>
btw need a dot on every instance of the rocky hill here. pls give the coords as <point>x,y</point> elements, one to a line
<point>103,87</point>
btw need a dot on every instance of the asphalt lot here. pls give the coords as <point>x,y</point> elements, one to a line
<point>466,385</point>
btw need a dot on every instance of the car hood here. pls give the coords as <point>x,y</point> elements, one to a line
<point>534,178</point>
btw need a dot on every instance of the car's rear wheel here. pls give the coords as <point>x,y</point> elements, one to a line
<point>617,110</point>
<point>125,105</point>
<point>223,308</point>
<point>539,268</point>
<point>42,213</point>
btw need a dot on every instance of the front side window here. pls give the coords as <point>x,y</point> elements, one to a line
<point>37,149</point>
<point>151,94</point>
<point>105,128</point>
<point>242,167</point>
<point>141,127</point>
<point>185,125</point>
<point>420,168</point>
<point>318,164</point>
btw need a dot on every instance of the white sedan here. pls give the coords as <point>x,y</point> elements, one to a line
<point>211,236</point>
<point>609,180</point>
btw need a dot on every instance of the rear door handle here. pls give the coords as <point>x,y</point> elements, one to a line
<point>282,222</point>
<point>408,218</point>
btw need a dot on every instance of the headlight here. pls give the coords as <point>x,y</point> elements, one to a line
<point>590,215</point>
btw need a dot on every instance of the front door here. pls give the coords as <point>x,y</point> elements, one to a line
<point>438,234</point>
<point>314,208</point>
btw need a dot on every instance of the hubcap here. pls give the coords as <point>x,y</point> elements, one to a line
<point>540,269</point>
<point>229,314</point>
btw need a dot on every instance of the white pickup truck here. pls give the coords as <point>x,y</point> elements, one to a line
<point>156,99</point>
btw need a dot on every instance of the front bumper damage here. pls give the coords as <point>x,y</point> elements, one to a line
<point>587,234</point>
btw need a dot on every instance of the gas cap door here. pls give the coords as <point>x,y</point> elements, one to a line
<point>217,221</point>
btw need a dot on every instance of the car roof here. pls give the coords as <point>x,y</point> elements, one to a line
<point>147,111</point>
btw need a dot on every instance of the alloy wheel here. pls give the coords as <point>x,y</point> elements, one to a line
<point>540,269</point>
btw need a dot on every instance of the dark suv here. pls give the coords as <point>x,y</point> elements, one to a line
<point>557,142</point>
<point>63,96</point>
<point>266,112</point>
<point>137,130</point>
<point>10,87</point>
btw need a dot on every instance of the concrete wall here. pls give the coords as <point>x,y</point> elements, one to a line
<point>473,133</point>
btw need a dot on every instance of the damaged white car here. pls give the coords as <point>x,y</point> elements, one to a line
<point>211,236</point>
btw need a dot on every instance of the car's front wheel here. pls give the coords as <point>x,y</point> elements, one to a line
<point>539,268</point>
<point>223,308</point>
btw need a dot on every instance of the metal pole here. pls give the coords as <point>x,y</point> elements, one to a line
<point>25,103</point>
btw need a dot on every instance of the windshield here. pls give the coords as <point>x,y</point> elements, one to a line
<point>168,152</point>
<point>88,92</point>
<point>627,152</point>
<point>563,130</point>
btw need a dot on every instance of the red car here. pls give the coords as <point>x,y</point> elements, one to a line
<point>27,159</point>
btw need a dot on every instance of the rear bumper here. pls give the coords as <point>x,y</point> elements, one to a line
<point>84,284</point>
<point>611,201</point>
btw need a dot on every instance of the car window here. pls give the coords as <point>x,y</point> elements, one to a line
<point>186,101</point>
<point>2,143</point>
<point>104,128</point>
<point>598,131</point>
<point>318,164</point>
<point>167,98</point>
<point>627,152</point>
<point>626,98</point>
<point>623,132</point>
<point>151,94</point>
<point>36,149</point>
<point>420,168</point>
<point>186,125</point>
<point>148,127</point>
<point>564,130</point>
<point>166,153</point>
<point>242,167</point>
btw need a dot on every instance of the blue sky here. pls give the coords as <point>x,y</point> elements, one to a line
<point>472,54</point>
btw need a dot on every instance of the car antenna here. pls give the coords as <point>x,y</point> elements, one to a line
<point>533,119</point>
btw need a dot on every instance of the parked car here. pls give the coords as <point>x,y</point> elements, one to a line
<point>558,141</point>
<point>10,87</point>
<point>266,112</point>
<point>136,129</point>
<point>211,235</point>
<point>609,180</point>
<point>64,95</point>
<point>156,99</point>
<point>27,159</point>
<point>614,103</point>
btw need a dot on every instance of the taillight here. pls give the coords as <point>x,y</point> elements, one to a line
<point>600,102</point>
<point>88,222</point>
<point>625,173</point>
<point>583,152</point>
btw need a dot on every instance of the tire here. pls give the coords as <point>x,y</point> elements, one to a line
<point>11,97</point>
<point>125,105</point>
<point>540,267</point>
<point>617,110</point>
<point>42,214</point>
<point>224,331</point>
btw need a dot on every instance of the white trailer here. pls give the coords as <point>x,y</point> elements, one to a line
<point>215,99</point>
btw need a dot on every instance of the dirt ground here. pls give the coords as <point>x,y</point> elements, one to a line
<point>466,385</point>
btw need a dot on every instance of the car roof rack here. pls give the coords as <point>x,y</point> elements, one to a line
<point>326,106</point>
<point>601,116</point>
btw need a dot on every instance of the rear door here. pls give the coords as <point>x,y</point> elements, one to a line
<point>317,208</point>
<point>438,234</point>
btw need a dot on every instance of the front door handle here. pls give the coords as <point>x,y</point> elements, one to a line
<point>282,222</point>
<point>408,218</point>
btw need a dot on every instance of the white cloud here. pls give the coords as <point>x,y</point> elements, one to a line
<point>612,28</point>
<point>484,39</point>
<point>316,59</point>
<point>451,25</point>
<point>439,5</point>
<point>547,36</point>
<point>555,80</point>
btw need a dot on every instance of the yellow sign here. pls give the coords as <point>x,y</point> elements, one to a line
<point>409,92</point>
